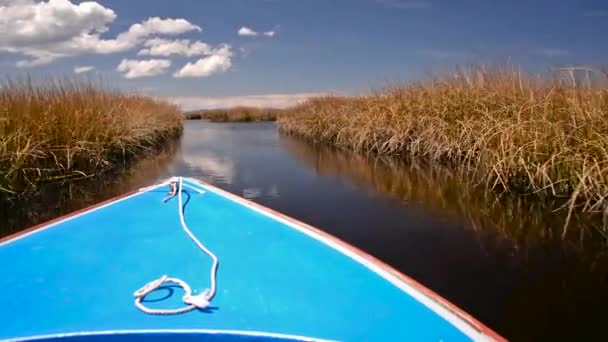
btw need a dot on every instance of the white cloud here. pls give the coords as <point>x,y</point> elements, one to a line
<point>246,31</point>
<point>266,101</point>
<point>143,68</point>
<point>46,31</point>
<point>83,69</point>
<point>29,23</point>
<point>219,61</point>
<point>166,47</point>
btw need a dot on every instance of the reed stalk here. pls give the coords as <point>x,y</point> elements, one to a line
<point>62,129</point>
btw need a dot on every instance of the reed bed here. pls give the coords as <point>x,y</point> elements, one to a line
<point>236,114</point>
<point>498,128</point>
<point>60,130</point>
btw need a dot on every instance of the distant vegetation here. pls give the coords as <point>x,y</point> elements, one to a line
<point>499,128</point>
<point>63,130</point>
<point>236,114</point>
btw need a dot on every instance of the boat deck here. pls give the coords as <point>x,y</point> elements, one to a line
<point>276,276</point>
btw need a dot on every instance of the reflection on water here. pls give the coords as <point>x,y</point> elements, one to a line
<point>523,220</point>
<point>53,200</point>
<point>216,168</point>
<point>502,261</point>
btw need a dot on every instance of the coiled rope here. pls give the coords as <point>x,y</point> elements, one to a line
<point>192,302</point>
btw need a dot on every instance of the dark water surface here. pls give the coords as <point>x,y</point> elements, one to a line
<point>501,261</point>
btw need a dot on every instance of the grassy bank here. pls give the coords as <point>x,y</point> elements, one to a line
<point>499,129</point>
<point>236,114</point>
<point>62,130</point>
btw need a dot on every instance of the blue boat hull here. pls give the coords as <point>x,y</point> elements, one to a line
<point>279,279</point>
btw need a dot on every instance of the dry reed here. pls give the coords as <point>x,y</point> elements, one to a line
<point>236,114</point>
<point>58,130</point>
<point>500,128</point>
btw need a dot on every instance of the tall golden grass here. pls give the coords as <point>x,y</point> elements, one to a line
<point>63,129</point>
<point>500,128</point>
<point>236,114</point>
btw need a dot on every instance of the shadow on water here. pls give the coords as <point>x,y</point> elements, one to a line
<point>52,200</point>
<point>559,287</point>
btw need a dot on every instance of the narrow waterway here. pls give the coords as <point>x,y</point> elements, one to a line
<point>502,261</point>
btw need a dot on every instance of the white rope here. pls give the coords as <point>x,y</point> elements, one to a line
<point>192,302</point>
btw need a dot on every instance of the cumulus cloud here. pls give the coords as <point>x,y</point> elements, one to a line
<point>166,47</point>
<point>83,69</point>
<point>219,61</point>
<point>248,32</point>
<point>143,68</point>
<point>48,30</point>
<point>266,101</point>
<point>27,23</point>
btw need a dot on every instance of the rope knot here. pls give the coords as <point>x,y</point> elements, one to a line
<point>200,301</point>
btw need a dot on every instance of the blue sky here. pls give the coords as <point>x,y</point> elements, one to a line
<point>317,46</point>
